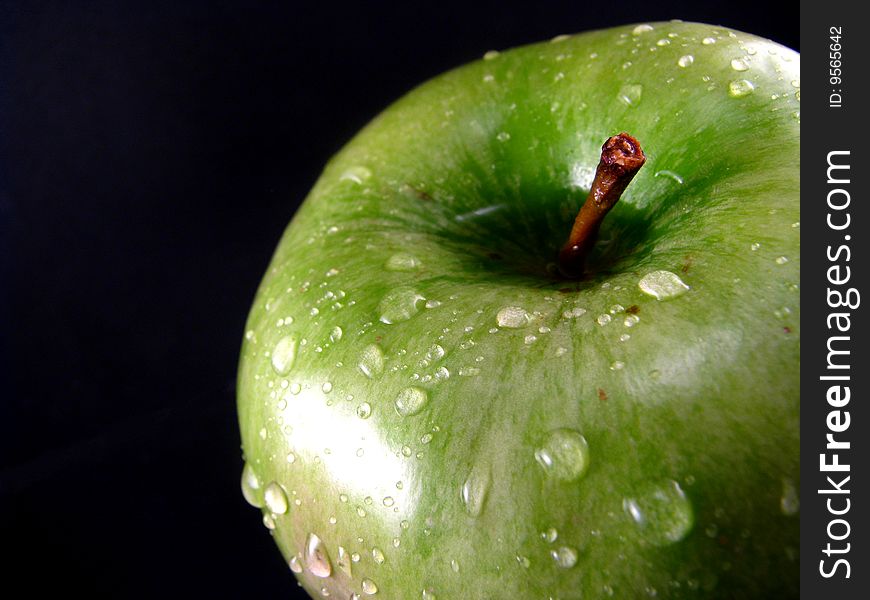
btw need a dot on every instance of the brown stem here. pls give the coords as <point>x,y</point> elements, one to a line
<point>621,159</point>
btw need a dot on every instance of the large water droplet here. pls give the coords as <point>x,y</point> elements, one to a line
<point>564,454</point>
<point>275,498</point>
<point>739,64</point>
<point>630,94</point>
<point>410,401</point>
<point>399,305</point>
<point>316,557</point>
<point>371,361</point>
<point>740,88</point>
<point>284,354</point>
<point>512,317</point>
<point>662,285</point>
<point>364,410</point>
<point>403,262</point>
<point>686,60</point>
<point>251,486</point>
<point>474,491</point>
<point>661,512</point>
<point>565,556</point>
<point>357,174</point>
<point>369,587</point>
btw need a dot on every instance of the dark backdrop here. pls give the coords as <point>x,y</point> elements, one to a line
<point>151,155</point>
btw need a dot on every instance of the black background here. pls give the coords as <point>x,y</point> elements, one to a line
<point>152,154</point>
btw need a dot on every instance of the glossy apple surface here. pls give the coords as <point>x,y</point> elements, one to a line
<point>429,411</point>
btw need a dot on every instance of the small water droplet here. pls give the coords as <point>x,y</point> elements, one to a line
<point>251,486</point>
<point>411,401</point>
<point>399,305</point>
<point>739,64</point>
<point>275,498</point>
<point>469,371</point>
<point>389,501</point>
<point>565,556</point>
<point>364,410</point>
<point>603,319</point>
<point>371,361</point>
<point>474,491</point>
<point>617,365</point>
<point>343,561</point>
<point>357,174</point>
<point>670,175</point>
<point>781,260</point>
<point>503,136</point>
<point>378,556</point>
<point>291,457</point>
<point>573,313</point>
<point>550,535</point>
<point>630,94</point>
<point>661,512</point>
<point>491,55</point>
<point>369,587</point>
<point>428,594</point>
<point>523,561</point>
<point>335,334</point>
<point>268,521</point>
<point>295,564</point>
<point>564,454</point>
<point>708,41</point>
<point>316,557</point>
<point>631,320</point>
<point>641,29</point>
<point>326,387</point>
<point>512,317</point>
<point>790,502</point>
<point>662,285</point>
<point>740,88</point>
<point>403,262</point>
<point>663,42</point>
<point>284,354</point>
<point>530,339</point>
<point>686,60</point>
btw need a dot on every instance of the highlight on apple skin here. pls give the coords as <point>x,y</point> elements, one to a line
<point>430,409</point>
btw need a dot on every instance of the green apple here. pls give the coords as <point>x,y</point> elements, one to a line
<point>428,409</point>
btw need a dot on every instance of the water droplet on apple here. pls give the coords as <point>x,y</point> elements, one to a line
<point>251,486</point>
<point>295,564</point>
<point>740,88</point>
<point>403,262</point>
<point>326,387</point>
<point>491,55</point>
<point>565,556</point>
<point>284,354</point>
<point>523,561</point>
<point>411,401</point>
<point>686,60</point>
<point>503,136</point>
<point>573,313</point>
<point>630,94</point>
<point>428,594</point>
<point>781,260</point>
<point>643,28</point>
<point>389,501</point>
<point>371,361</point>
<point>435,352</point>
<point>378,556</point>
<point>617,365</point>
<point>474,491</point>
<point>564,454</point>
<point>364,410</point>
<point>790,502</point>
<point>399,305</point>
<point>268,521</point>
<point>670,175</point>
<point>550,535</point>
<point>662,513</point>
<point>530,339</point>
<point>291,457</point>
<point>739,64</point>
<point>316,557</point>
<point>663,42</point>
<point>469,371</point>
<point>369,587</point>
<point>357,174</point>
<point>662,285</point>
<point>603,319</point>
<point>707,41</point>
<point>275,498</point>
<point>512,317</point>
<point>335,334</point>
<point>343,561</point>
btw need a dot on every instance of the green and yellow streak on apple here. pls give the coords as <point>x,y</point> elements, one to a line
<point>429,409</point>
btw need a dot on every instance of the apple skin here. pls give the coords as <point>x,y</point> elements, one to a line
<point>418,387</point>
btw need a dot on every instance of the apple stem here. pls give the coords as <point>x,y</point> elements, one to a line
<point>621,158</point>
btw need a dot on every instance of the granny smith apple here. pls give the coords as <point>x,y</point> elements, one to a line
<point>430,408</point>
